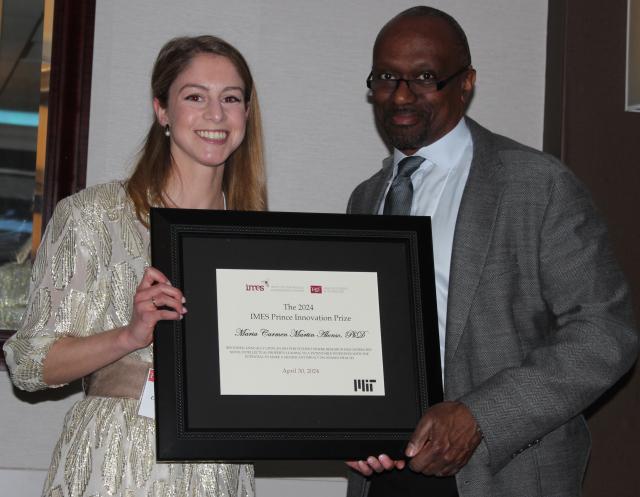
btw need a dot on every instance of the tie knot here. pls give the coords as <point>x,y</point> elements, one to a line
<point>408,165</point>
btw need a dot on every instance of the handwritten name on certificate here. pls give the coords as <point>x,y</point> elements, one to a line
<point>299,333</point>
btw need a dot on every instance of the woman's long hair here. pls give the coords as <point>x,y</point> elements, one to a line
<point>244,178</point>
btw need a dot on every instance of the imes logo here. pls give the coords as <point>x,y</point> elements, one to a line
<point>257,287</point>
<point>363,385</point>
<point>316,288</point>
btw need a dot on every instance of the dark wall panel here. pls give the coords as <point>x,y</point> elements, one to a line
<point>587,126</point>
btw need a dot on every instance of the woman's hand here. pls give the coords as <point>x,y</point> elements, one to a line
<point>376,464</point>
<point>155,299</point>
<point>71,357</point>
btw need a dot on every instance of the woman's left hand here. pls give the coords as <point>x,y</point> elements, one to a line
<point>376,464</point>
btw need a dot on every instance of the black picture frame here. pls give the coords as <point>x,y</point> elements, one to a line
<point>195,423</point>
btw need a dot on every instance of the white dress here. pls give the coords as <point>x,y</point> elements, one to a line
<point>88,266</point>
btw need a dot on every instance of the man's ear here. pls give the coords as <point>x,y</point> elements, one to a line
<point>468,82</point>
<point>161,113</point>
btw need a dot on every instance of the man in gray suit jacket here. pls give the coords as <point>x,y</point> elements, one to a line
<point>534,313</point>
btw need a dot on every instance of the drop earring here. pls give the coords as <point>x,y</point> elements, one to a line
<point>167,131</point>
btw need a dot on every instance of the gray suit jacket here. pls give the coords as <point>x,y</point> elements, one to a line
<point>539,318</point>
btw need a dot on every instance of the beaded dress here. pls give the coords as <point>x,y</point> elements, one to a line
<point>88,267</point>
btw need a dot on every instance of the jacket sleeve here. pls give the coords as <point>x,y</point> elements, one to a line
<point>589,343</point>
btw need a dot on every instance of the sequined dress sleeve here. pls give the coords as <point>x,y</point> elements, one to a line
<point>83,278</point>
<point>88,266</point>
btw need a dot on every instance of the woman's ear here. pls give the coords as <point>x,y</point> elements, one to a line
<point>161,113</point>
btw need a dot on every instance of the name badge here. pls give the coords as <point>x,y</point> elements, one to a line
<point>146,405</point>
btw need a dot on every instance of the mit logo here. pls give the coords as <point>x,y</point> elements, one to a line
<point>363,385</point>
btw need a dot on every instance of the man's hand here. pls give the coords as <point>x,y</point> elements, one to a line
<point>444,440</point>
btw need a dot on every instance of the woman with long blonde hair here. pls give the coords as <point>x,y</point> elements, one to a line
<point>94,300</point>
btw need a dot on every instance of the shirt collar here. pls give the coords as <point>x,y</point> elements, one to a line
<point>445,152</point>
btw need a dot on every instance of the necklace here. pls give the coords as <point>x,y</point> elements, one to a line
<point>174,204</point>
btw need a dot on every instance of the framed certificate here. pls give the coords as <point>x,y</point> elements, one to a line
<point>308,336</point>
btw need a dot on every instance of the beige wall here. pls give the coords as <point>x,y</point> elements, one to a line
<point>310,60</point>
<point>29,428</point>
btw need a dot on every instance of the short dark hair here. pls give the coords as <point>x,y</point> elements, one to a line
<point>426,11</point>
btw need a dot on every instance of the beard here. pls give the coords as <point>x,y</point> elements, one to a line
<point>405,137</point>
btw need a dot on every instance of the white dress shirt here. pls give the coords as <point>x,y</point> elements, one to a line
<point>437,190</point>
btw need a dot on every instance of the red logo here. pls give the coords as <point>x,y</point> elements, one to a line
<point>316,289</point>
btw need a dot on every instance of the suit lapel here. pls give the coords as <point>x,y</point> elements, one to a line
<point>374,198</point>
<point>472,236</point>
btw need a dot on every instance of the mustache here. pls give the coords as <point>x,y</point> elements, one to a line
<point>404,109</point>
<point>392,111</point>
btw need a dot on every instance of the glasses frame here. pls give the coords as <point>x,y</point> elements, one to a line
<point>412,83</point>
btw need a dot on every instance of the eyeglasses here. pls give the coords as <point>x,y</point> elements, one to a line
<point>417,86</point>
